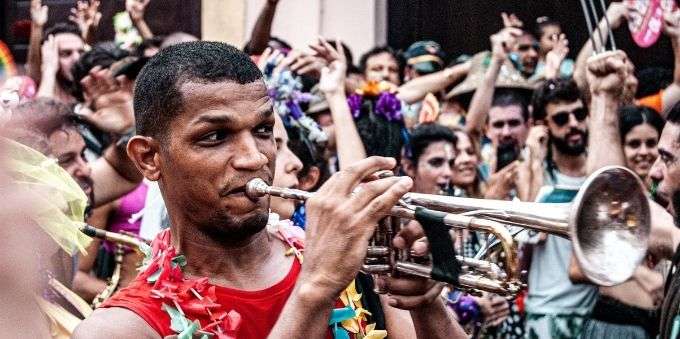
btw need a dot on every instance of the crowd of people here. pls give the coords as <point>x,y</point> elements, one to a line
<point>163,133</point>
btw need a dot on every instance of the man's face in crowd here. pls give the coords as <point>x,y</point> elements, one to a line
<point>382,67</point>
<point>71,47</point>
<point>68,147</point>
<point>506,125</point>
<point>666,170</point>
<point>567,126</point>
<point>640,148</point>
<point>435,168</point>
<point>288,165</point>
<point>527,49</point>
<point>222,138</point>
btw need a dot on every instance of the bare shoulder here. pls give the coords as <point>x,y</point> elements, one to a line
<point>114,322</point>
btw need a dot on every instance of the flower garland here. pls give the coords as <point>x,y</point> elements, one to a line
<point>285,89</point>
<point>187,298</point>
<point>377,97</point>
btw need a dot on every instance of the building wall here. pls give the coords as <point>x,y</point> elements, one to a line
<point>359,23</point>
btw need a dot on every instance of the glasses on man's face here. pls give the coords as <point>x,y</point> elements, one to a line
<point>526,47</point>
<point>562,118</point>
<point>512,123</point>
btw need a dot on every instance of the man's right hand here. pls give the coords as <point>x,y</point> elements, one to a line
<point>38,13</point>
<point>50,57</point>
<point>607,73</point>
<point>340,223</point>
<point>503,42</point>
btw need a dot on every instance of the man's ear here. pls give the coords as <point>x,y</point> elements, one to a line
<point>409,167</point>
<point>144,153</point>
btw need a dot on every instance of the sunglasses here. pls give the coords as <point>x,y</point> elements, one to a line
<point>562,118</point>
<point>512,123</point>
<point>524,48</point>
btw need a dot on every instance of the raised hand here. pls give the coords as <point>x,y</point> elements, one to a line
<point>340,223</point>
<point>671,24</point>
<point>50,56</point>
<point>503,42</point>
<point>607,73</point>
<point>502,182</point>
<point>511,20</point>
<point>333,76</point>
<point>136,8</point>
<point>554,58</point>
<point>110,100</point>
<point>86,15</point>
<point>39,13</point>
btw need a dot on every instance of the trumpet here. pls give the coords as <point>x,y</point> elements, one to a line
<point>382,259</point>
<point>610,215</point>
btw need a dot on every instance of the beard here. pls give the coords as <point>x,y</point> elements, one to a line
<point>675,201</point>
<point>564,147</point>
<point>234,231</point>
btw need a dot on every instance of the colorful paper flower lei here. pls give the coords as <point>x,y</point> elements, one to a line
<point>378,98</point>
<point>285,89</point>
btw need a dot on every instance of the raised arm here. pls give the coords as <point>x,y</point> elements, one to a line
<point>113,174</point>
<point>606,75</point>
<point>136,10</point>
<point>617,12</point>
<point>259,38</point>
<point>416,89</point>
<point>87,16</point>
<point>38,20</point>
<point>49,67</point>
<point>501,45</point>
<point>671,94</point>
<point>348,143</point>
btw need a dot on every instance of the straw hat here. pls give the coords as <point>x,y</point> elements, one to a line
<point>508,78</point>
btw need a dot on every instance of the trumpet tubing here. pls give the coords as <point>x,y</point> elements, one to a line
<point>382,259</point>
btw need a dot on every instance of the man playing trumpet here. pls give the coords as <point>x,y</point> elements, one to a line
<point>205,128</point>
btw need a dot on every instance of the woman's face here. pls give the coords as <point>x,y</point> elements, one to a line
<point>640,148</point>
<point>435,167</point>
<point>465,169</point>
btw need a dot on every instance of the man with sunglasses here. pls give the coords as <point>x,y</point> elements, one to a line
<point>560,138</point>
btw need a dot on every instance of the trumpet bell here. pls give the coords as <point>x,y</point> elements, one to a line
<point>610,219</point>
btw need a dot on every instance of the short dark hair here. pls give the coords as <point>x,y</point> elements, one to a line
<point>60,28</point>
<point>424,135</point>
<point>42,116</point>
<point>631,116</point>
<point>103,54</point>
<point>379,50</point>
<point>510,97</point>
<point>553,91</point>
<point>157,98</point>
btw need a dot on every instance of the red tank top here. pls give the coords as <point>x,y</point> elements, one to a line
<point>257,310</point>
<point>171,304</point>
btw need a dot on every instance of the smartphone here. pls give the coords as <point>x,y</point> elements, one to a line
<point>506,153</point>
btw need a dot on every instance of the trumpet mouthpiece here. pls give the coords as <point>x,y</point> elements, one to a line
<point>256,188</point>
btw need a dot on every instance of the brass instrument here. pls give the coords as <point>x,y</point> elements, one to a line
<point>608,221</point>
<point>609,216</point>
<point>120,240</point>
<point>381,258</point>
